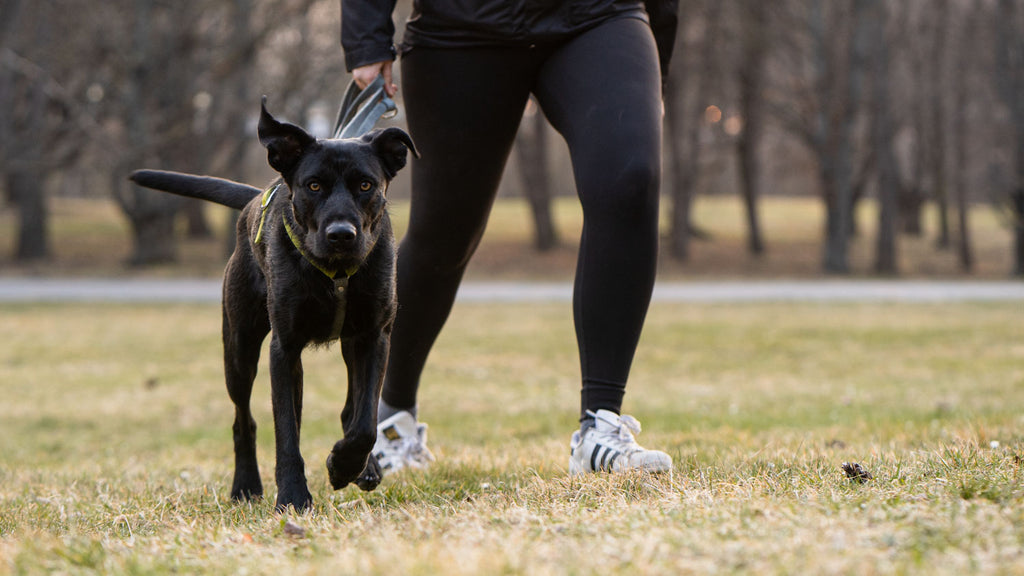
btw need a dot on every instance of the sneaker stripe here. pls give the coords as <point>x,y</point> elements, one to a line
<point>606,463</point>
<point>602,458</point>
<point>611,463</point>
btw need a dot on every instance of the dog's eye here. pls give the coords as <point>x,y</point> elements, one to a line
<point>365,185</point>
<point>314,186</point>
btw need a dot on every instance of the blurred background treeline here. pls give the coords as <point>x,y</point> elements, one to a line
<point>889,133</point>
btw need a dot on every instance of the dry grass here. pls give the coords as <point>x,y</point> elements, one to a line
<point>115,448</point>
<point>91,237</point>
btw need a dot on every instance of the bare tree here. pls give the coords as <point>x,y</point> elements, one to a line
<point>821,105</point>
<point>184,87</point>
<point>532,151</point>
<point>961,135</point>
<point>912,196</point>
<point>1009,82</point>
<point>683,124</point>
<point>37,130</point>
<point>754,24</point>
<point>886,261</point>
<point>151,214</point>
<point>940,34</point>
<point>236,73</point>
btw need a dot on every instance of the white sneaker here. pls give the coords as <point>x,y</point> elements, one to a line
<point>401,443</point>
<point>609,446</point>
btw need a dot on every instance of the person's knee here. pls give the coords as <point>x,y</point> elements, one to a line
<point>641,177</point>
<point>628,192</point>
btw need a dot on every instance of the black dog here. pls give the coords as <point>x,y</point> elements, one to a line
<point>314,262</point>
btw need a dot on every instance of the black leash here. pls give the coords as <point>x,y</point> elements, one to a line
<point>361,109</point>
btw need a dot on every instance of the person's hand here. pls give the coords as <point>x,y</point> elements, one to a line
<point>364,75</point>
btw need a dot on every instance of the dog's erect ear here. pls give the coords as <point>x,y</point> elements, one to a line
<point>284,142</point>
<point>391,145</point>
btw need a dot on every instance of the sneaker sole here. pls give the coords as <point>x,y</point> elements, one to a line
<point>575,469</point>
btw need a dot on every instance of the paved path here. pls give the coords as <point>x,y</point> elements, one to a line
<point>201,290</point>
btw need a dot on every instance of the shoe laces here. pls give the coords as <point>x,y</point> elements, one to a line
<point>414,448</point>
<point>627,427</point>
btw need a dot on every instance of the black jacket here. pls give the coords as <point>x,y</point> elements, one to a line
<point>367,29</point>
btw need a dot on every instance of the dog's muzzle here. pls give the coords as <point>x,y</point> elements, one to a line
<point>341,234</point>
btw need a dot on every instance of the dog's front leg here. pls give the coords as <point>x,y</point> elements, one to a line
<point>349,459</point>
<point>286,396</point>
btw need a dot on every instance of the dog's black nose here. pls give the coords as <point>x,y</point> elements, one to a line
<point>341,233</point>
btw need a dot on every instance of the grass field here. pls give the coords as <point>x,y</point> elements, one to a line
<point>115,448</point>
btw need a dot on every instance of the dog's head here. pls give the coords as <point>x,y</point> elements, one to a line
<point>338,187</point>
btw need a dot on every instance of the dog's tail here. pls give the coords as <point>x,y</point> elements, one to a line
<point>227,192</point>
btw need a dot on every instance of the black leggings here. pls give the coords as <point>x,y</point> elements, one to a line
<point>601,91</point>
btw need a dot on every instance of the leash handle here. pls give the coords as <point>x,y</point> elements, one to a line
<point>361,109</point>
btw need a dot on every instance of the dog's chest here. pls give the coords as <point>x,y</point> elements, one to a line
<point>315,315</point>
<point>340,305</point>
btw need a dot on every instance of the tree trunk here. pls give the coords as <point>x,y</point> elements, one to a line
<point>1009,82</point>
<point>25,148</point>
<point>838,60</point>
<point>911,203</point>
<point>241,100</point>
<point>532,152</point>
<point>1017,206</point>
<point>835,260</point>
<point>882,135</point>
<point>961,134</point>
<point>912,196</point>
<point>195,216</point>
<point>150,213</point>
<point>153,238</point>
<point>683,129</point>
<point>751,75</point>
<point>941,10</point>
<point>750,175</point>
<point>683,173</point>
<point>29,198</point>
<point>858,188</point>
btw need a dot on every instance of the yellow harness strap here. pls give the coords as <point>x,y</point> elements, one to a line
<point>267,196</point>
<point>296,241</point>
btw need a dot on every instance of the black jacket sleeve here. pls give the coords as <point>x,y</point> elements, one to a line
<point>664,15</point>
<point>367,32</point>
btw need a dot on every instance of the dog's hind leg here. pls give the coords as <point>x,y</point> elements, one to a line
<point>286,386</point>
<point>243,337</point>
<point>246,325</point>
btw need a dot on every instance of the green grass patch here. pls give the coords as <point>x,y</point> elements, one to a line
<point>115,447</point>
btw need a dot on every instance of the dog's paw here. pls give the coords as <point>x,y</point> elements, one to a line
<point>371,475</point>
<point>296,496</point>
<point>245,495</point>
<point>343,466</point>
<point>246,488</point>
